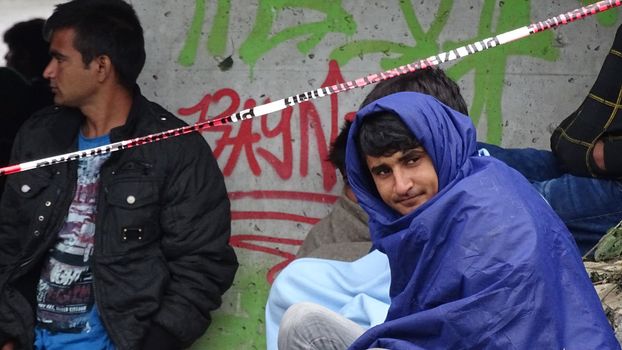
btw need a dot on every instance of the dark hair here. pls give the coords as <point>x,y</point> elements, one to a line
<point>337,154</point>
<point>29,48</point>
<point>430,81</point>
<point>104,27</point>
<point>383,134</point>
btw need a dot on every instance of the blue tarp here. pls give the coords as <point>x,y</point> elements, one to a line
<point>484,264</point>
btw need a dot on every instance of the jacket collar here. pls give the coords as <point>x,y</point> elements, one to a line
<point>65,131</point>
<point>128,130</point>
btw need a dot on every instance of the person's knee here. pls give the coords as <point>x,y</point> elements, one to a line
<point>310,326</point>
<point>294,324</point>
<point>299,314</point>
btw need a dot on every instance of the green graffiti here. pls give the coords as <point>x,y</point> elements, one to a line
<point>217,39</point>
<point>262,39</point>
<point>189,51</point>
<point>426,41</point>
<point>489,66</point>
<point>608,18</point>
<point>239,325</point>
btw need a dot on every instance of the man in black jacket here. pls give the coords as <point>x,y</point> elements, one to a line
<point>126,250</point>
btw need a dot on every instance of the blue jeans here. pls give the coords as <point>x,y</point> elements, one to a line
<point>588,206</point>
<point>94,338</point>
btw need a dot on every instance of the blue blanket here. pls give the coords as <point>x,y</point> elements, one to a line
<point>484,264</point>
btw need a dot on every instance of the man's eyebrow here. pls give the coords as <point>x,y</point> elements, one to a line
<point>56,54</point>
<point>378,167</point>
<point>413,152</point>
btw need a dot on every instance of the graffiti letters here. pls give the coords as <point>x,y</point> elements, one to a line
<point>495,17</point>
<point>247,139</point>
<point>262,38</point>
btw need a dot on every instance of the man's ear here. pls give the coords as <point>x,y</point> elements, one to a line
<point>105,70</point>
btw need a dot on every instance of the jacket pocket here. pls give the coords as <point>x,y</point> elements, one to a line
<point>131,214</point>
<point>28,202</point>
<point>28,184</point>
<point>28,211</point>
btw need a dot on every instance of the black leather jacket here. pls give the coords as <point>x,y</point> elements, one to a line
<point>161,260</point>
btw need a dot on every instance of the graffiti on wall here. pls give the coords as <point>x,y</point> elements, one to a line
<point>489,67</point>
<point>246,138</point>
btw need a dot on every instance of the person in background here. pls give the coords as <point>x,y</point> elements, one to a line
<point>28,54</point>
<point>14,110</point>
<point>120,251</point>
<point>23,90</point>
<point>343,234</point>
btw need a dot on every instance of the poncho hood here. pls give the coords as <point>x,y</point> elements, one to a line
<point>448,136</point>
<point>485,263</point>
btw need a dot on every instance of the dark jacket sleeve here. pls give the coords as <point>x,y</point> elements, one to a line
<point>15,310</point>
<point>598,118</point>
<point>196,224</point>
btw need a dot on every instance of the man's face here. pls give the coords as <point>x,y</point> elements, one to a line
<point>72,83</point>
<point>404,180</point>
<point>19,60</point>
<point>11,60</point>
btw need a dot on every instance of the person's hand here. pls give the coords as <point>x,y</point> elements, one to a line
<point>10,345</point>
<point>598,153</point>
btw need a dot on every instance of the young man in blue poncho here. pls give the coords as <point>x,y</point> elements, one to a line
<point>358,290</point>
<point>477,257</point>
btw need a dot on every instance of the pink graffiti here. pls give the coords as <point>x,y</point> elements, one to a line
<point>246,139</point>
<point>247,242</point>
<point>255,242</point>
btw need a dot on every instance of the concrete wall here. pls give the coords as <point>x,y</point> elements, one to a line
<point>211,58</point>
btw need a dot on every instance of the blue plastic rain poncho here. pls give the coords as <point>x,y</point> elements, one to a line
<point>485,263</point>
